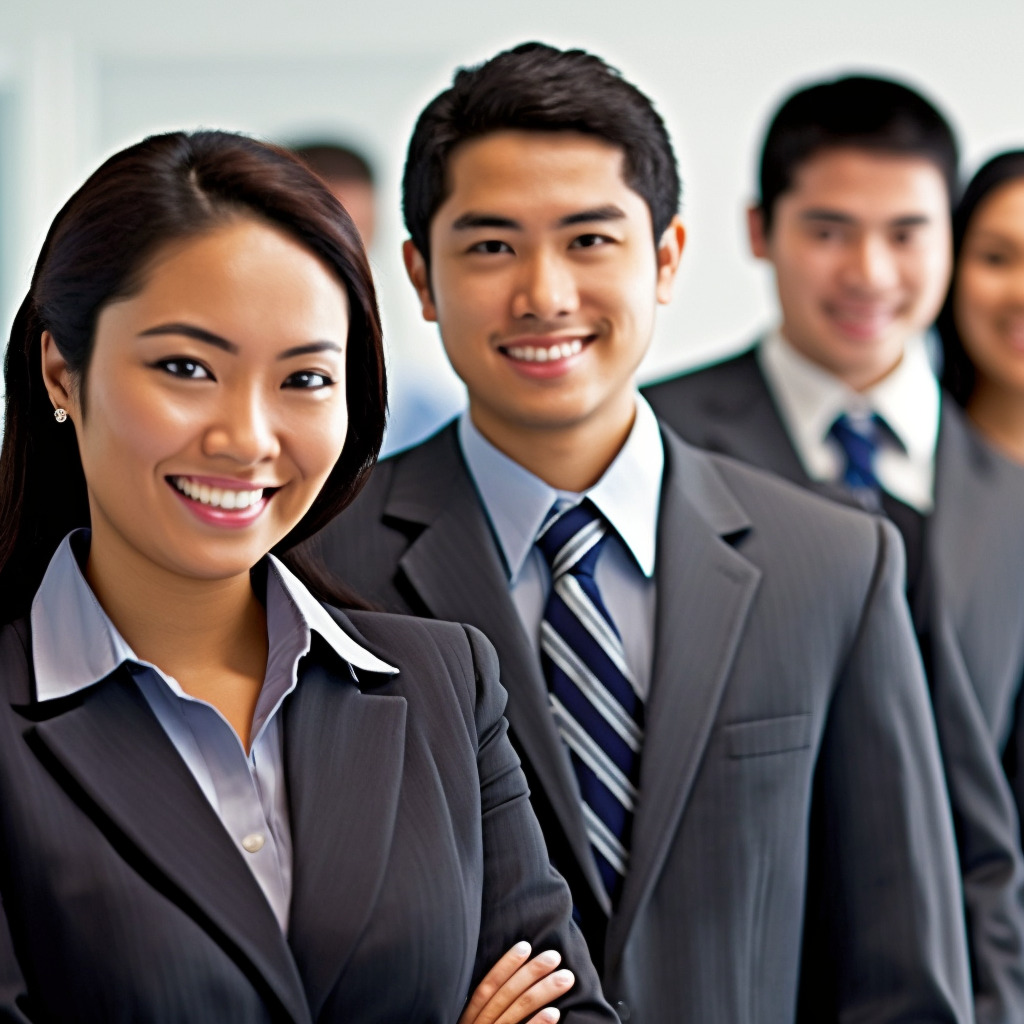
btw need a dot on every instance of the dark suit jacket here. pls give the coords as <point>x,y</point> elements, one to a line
<point>969,622</point>
<point>791,797</point>
<point>417,859</point>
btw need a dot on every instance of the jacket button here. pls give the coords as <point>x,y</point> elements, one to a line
<point>623,1010</point>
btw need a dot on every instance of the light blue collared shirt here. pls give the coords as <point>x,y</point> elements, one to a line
<point>627,495</point>
<point>74,645</point>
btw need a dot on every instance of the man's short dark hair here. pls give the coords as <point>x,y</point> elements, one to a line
<point>333,160</point>
<point>538,88</point>
<point>859,112</point>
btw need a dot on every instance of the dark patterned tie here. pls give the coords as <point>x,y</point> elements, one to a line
<point>595,705</point>
<point>859,442</point>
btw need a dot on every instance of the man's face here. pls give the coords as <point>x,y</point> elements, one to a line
<point>544,280</point>
<point>861,247</point>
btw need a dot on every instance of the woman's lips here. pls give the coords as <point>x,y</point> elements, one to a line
<point>221,502</point>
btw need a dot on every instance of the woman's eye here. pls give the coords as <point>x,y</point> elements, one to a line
<point>994,259</point>
<point>309,379</point>
<point>188,368</point>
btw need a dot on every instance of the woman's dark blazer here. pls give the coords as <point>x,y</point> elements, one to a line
<point>417,858</point>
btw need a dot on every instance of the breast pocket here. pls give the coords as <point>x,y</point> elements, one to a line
<point>768,736</point>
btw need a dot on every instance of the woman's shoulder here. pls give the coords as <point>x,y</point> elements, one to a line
<point>393,632</point>
<point>429,653</point>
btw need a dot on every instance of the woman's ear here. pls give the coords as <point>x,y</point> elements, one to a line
<point>57,378</point>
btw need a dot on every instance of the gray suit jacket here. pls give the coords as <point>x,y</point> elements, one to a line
<point>417,860</point>
<point>968,620</point>
<point>792,845</point>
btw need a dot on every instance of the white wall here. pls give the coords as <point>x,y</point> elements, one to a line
<point>78,80</point>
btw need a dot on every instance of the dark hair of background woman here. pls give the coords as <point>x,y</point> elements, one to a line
<point>957,369</point>
<point>165,189</point>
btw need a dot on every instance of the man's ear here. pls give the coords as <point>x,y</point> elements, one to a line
<point>419,275</point>
<point>756,232</point>
<point>57,377</point>
<point>670,252</point>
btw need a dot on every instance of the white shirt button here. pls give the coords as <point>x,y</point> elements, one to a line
<point>253,842</point>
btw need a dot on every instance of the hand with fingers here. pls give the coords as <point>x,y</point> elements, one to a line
<point>516,987</point>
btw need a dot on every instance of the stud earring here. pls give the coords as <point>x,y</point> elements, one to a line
<point>60,415</point>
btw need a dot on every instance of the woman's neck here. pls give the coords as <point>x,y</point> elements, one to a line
<point>209,635</point>
<point>998,413</point>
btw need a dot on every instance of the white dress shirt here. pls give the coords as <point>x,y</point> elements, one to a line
<point>627,495</point>
<point>809,400</point>
<point>75,645</point>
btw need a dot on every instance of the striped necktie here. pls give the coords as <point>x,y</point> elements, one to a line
<point>858,439</point>
<point>593,699</point>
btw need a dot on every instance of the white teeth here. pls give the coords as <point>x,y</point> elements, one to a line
<point>218,497</point>
<point>532,354</point>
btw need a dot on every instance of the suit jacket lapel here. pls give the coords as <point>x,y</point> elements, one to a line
<point>456,570</point>
<point>742,421</point>
<point>956,539</point>
<point>705,589</point>
<point>344,756</point>
<point>110,747</point>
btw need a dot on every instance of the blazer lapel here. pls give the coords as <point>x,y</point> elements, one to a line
<point>705,589</point>
<point>742,421</point>
<point>108,746</point>
<point>344,752</point>
<point>456,570</point>
<point>957,541</point>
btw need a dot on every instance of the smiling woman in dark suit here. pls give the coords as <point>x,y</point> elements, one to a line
<point>219,798</point>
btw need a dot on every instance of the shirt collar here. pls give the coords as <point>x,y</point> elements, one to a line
<point>516,501</point>
<point>74,643</point>
<point>810,398</point>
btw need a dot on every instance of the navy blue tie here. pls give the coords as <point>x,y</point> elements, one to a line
<point>858,439</point>
<point>593,699</point>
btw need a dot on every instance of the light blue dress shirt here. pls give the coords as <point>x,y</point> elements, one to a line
<point>75,645</point>
<point>627,495</point>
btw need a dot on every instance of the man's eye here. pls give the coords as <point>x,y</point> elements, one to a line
<point>491,245</point>
<point>181,367</point>
<point>590,241</point>
<point>309,379</point>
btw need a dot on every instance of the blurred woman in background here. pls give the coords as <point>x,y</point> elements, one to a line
<point>982,322</point>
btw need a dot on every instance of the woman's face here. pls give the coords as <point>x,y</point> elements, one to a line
<point>988,300</point>
<point>214,403</point>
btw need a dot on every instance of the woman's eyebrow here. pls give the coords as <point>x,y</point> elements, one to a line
<point>209,338</point>
<point>190,331</point>
<point>310,349</point>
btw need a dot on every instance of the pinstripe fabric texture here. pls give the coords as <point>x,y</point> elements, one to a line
<point>593,696</point>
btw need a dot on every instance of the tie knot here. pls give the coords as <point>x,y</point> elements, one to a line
<point>571,539</point>
<point>858,438</point>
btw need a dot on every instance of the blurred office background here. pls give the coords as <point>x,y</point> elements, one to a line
<point>81,78</point>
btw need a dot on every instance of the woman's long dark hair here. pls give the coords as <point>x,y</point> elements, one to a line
<point>957,368</point>
<point>98,249</point>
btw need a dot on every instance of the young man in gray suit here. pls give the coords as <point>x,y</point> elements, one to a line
<point>856,181</point>
<point>712,676</point>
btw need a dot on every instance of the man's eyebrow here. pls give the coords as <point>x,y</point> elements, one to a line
<point>596,215</point>
<point>829,216</point>
<point>471,220</point>
<point>191,331</point>
<point>909,220</point>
